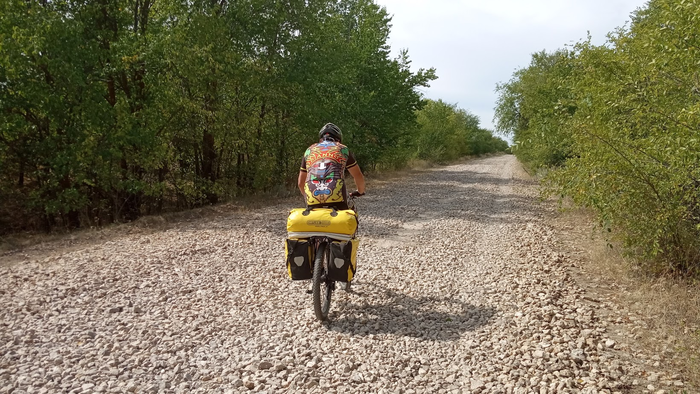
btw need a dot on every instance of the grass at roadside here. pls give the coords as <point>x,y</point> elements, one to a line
<point>670,306</point>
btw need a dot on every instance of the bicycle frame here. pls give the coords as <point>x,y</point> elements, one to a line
<point>322,286</point>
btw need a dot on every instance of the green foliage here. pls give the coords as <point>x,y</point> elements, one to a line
<point>534,108</point>
<point>116,108</point>
<point>445,133</point>
<point>112,109</point>
<point>626,117</point>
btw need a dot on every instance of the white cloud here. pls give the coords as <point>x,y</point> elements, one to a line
<point>476,44</point>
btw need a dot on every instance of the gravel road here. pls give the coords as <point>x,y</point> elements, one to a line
<point>459,289</point>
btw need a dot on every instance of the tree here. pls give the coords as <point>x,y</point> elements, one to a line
<point>626,115</point>
<point>535,106</point>
<point>446,133</point>
<point>117,108</point>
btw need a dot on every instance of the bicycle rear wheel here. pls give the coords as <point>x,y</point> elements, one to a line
<point>322,287</point>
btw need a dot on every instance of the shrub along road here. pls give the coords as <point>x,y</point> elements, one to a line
<point>460,288</point>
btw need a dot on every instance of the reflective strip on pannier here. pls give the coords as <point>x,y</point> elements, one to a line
<point>300,257</point>
<point>342,263</point>
<point>322,220</point>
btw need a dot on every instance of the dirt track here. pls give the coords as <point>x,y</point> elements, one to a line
<point>460,288</point>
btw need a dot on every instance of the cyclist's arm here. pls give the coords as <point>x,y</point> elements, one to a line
<point>301,182</point>
<point>358,177</point>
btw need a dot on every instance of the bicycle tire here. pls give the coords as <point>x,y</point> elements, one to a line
<point>321,286</point>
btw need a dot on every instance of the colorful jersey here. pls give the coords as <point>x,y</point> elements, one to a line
<point>325,165</point>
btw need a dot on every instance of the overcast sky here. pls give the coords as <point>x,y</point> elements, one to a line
<point>475,44</point>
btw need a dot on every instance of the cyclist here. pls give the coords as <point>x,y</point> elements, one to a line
<point>322,174</point>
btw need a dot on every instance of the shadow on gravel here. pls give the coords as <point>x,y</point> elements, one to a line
<point>429,318</point>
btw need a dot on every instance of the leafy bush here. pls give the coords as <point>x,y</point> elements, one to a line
<point>445,133</point>
<point>620,123</point>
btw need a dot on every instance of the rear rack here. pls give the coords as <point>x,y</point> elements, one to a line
<point>301,235</point>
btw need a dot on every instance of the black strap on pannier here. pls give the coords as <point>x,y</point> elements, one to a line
<point>308,210</point>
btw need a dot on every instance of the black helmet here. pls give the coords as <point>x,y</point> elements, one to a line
<point>331,130</point>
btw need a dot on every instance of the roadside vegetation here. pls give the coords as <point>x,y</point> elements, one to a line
<point>617,129</point>
<point>115,109</point>
<point>446,133</point>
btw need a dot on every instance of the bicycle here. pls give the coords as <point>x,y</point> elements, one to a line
<point>323,286</point>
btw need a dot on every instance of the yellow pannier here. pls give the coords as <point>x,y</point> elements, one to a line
<point>342,263</point>
<point>305,223</point>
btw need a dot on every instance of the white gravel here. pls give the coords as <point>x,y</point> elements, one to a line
<point>459,289</point>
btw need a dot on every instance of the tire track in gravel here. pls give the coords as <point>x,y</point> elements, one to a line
<point>459,289</point>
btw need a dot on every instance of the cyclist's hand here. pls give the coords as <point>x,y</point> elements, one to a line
<point>356,194</point>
